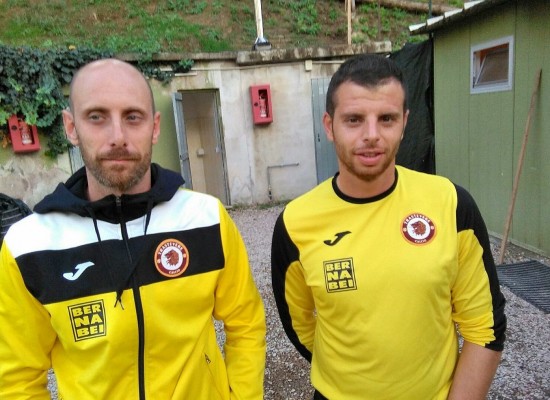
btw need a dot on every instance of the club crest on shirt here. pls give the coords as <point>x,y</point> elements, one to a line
<point>418,229</point>
<point>171,258</point>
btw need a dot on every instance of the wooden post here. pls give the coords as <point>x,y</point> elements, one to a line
<point>348,12</point>
<point>519,167</point>
<point>379,29</point>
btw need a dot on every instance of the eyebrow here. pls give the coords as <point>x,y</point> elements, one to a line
<point>101,109</point>
<point>392,114</point>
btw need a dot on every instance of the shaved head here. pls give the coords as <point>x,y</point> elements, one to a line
<point>103,65</point>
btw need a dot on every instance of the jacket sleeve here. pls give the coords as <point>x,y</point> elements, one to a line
<point>293,297</point>
<point>240,307</point>
<point>26,336</point>
<point>478,303</point>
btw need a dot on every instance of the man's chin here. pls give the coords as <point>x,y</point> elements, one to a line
<point>119,180</point>
<point>368,174</point>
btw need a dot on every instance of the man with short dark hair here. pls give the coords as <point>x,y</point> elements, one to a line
<point>373,269</point>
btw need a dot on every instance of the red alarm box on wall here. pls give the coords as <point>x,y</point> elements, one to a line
<point>24,137</point>
<point>260,95</point>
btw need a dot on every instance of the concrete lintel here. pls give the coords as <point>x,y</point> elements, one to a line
<point>273,56</point>
<point>299,54</point>
<point>174,57</point>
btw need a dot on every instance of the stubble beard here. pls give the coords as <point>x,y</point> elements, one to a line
<point>117,178</point>
<point>361,172</point>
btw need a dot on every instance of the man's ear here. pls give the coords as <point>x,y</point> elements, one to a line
<point>405,119</point>
<point>327,123</point>
<point>156,127</point>
<point>70,128</point>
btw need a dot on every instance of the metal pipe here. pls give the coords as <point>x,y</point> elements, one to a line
<point>259,21</point>
<point>261,43</point>
<point>269,168</point>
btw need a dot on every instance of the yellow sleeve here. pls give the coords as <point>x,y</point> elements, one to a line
<point>240,307</point>
<point>26,336</point>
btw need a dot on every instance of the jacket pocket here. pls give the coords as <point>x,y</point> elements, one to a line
<point>218,374</point>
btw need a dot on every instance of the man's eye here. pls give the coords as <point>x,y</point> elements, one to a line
<point>133,117</point>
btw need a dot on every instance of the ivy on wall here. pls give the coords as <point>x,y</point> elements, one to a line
<point>32,81</point>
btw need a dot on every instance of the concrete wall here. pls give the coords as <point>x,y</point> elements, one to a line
<point>31,176</point>
<point>252,149</point>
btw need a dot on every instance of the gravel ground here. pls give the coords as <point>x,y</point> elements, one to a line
<point>524,372</point>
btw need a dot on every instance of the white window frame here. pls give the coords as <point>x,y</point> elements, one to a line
<point>476,64</point>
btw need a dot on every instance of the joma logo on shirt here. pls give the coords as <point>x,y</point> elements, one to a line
<point>88,320</point>
<point>339,275</point>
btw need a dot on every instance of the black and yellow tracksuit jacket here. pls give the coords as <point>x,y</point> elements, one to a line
<point>119,297</point>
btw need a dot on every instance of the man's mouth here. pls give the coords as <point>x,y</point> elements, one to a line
<point>369,157</point>
<point>119,156</point>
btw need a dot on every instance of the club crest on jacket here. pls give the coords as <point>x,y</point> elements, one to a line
<point>171,258</point>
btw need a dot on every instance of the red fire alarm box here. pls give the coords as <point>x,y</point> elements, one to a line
<point>24,138</point>
<point>261,104</point>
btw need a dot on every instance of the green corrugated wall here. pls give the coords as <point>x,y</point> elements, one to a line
<point>479,136</point>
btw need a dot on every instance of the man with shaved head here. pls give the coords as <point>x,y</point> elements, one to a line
<point>113,121</point>
<point>115,281</point>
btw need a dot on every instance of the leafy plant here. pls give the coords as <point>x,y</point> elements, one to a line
<point>213,41</point>
<point>217,6</point>
<point>197,8</point>
<point>333,14</point>
<point>305,16</point>
<point>31,82</point>
<point>457,3</point>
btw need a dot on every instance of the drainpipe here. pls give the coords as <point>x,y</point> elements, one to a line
<point>269,168</point>
<point>261,43</point>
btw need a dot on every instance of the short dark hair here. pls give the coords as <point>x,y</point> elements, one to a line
<point>368,70</point>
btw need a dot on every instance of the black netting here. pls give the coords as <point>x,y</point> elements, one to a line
<point>11,211</point>
<point>417,150</point>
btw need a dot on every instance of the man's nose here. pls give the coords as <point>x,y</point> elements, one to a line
<point>370,131</point>
<point>118,134</point>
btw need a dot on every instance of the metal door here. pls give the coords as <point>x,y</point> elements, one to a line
<point>325,156</point>
<point>185,164</point>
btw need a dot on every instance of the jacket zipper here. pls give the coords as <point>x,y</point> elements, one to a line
<point>138,304</point>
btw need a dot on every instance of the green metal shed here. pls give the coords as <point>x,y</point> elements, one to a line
<point>486,59</point>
